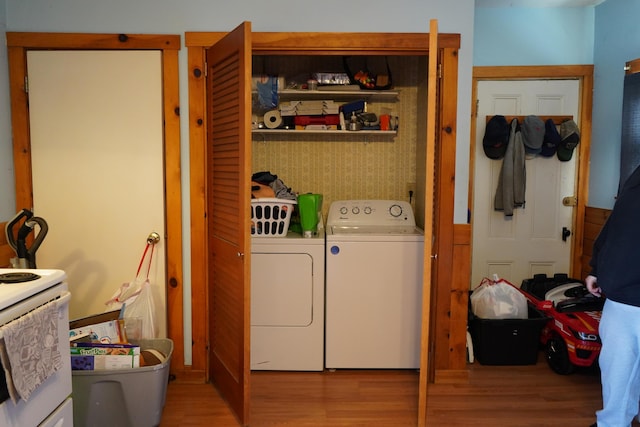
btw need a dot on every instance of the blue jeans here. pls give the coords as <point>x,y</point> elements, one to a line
<point>619,364</point>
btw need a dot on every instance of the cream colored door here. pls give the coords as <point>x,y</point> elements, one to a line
<point>98,180</point>
<point>531,241</point>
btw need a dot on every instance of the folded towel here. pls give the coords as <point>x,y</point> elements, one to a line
<point>29,350</point>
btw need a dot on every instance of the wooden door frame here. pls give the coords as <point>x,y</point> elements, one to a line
<point>18,44</point>
<point>583,73</point>
<point>448,301</point>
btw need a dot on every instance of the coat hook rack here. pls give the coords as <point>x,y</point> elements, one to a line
<point>558,120</point>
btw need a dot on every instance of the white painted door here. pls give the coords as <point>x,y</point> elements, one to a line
<point>97,155</point>
<point>530,242</point>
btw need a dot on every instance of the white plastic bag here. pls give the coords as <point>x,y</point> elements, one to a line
<point>144,308</point>
<point>126,293</point>
<point>137,299</point>
<point>498,299</point>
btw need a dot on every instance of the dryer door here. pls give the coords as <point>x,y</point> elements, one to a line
<point>281,289</point>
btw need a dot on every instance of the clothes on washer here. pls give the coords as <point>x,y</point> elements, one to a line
<point>261,191</point>
<point>265,178</point>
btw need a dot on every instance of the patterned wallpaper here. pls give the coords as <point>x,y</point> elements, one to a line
<point>350,166</point>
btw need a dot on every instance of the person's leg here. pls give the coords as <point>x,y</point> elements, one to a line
<point>619,364</point>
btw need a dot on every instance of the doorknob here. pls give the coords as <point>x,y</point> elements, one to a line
<point>153,238</point>
<point>565,233</point>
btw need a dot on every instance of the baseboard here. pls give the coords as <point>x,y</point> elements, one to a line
<point>188,375</point>
<point>452,376</point>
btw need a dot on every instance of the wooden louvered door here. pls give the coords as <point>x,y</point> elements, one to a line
<point>228,161</point>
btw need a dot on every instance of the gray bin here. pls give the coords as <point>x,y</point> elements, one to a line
<point>124,397</point>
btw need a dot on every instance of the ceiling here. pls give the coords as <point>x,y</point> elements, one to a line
<point>537,3</point>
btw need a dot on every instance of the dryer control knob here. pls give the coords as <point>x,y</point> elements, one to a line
<point>395,210</point>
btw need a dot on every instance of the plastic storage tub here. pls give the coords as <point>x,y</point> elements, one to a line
<point>507,341</point>
<point>126,397</point>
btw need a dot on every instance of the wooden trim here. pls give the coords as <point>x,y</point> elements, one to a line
<point>173,205</point>
<point>586,112</point>
<point>18,45</point>
<point>93,41</point>
<point>331,43</point>
<point>445,313</point>
<point>6,251</point>
<point>584,73</point>
<point>594,220</point>
<point>632,67</point>
<point>532,72</point>
<point>20,127</point>
<point>198,191</point>
<point>459,297</point>
<point>450,376</point>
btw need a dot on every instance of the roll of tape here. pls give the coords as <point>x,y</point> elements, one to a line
<point>273,119</point>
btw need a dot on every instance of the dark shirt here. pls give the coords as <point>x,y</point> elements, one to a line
<point>616,251</point>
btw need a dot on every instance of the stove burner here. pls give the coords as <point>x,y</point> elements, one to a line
<point>18,277</point>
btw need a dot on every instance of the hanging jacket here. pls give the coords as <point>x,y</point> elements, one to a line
<point>510,192</point>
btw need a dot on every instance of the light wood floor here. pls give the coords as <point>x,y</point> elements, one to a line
<point>509,396</point>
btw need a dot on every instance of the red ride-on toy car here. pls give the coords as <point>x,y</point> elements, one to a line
<point>570,338</point>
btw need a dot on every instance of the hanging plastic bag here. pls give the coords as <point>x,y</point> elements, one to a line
<point>143,308</point>
<point>498,299</point>
<point>125,294</point>
<point>136,298</point>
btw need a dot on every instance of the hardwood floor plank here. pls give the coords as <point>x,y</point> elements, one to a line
<point>510,396</point>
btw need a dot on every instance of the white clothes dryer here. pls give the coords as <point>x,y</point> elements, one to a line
<point>287,302</point>
<point>374,265</point>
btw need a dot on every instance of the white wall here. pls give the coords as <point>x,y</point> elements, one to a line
<point>533,36</point>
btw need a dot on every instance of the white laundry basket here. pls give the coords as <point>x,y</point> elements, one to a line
<point>270,217</point>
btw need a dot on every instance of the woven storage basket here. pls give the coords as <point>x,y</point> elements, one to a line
<point>270,217</point>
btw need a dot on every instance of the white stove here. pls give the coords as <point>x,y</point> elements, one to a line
<point>18,285</point>
<point>47,403</point>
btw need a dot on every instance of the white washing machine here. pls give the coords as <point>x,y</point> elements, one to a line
<point>287,303</point>
<point>374,265</point>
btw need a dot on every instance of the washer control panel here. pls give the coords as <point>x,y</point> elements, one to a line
<point>356,213</point>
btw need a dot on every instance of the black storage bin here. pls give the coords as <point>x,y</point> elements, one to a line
<point>507,341</point>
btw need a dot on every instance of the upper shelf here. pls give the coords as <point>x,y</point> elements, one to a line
<point>265,132</point>
<point>338,94</point>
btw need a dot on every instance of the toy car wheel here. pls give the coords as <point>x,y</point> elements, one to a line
<point>558,356</point>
